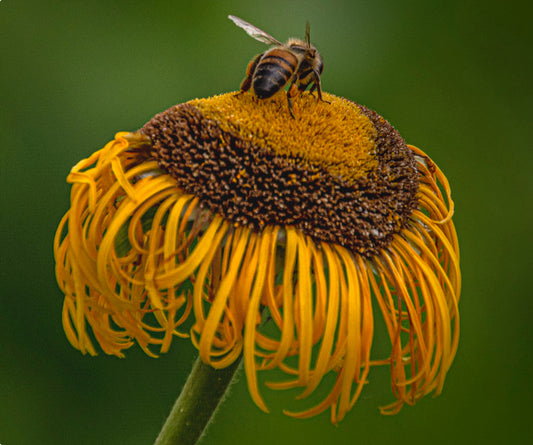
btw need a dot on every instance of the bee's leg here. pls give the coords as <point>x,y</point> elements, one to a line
<point>291,92</point>
<point>316,85</point>
<point>245,85</point>
<point>250,70</point>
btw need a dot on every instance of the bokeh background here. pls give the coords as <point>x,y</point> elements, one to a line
<point>454,77</point>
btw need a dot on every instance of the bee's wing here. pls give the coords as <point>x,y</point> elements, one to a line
<point>254,32</point>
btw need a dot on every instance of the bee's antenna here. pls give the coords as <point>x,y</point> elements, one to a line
<point>307,33</point>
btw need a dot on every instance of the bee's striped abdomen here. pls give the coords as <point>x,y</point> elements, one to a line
<point>273,72</point>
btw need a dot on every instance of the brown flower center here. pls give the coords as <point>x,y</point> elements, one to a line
<point>339,172</point>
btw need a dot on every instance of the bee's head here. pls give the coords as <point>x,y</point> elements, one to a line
<point>301,47</point>
<point>320,65</point>
<point>298,46</point>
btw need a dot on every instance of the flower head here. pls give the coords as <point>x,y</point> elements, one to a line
<point>223,214</point>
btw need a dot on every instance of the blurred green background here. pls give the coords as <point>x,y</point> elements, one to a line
<point>454,77</point>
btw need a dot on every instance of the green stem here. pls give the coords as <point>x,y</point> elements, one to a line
<point>195,406</point>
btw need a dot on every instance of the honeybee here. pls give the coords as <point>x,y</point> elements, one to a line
<point>296,63</point>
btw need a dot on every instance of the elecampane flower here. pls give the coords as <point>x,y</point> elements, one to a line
<point>223,215</point>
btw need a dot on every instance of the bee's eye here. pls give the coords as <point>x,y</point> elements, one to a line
<point>320,67</point>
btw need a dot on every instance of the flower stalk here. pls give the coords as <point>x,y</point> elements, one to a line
<point>196,405</point>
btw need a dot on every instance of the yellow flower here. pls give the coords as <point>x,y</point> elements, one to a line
<point>225,214</point>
